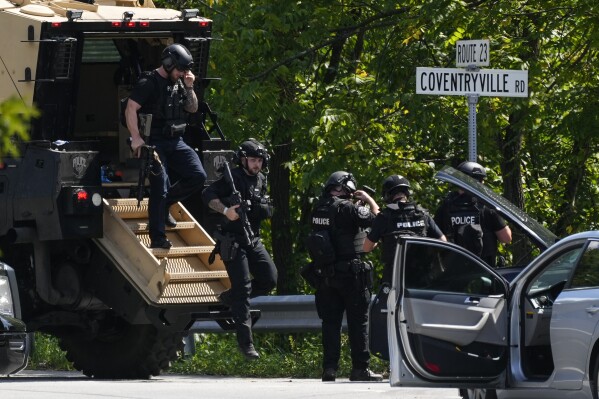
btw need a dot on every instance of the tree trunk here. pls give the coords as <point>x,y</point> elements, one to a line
<point>512,183</point>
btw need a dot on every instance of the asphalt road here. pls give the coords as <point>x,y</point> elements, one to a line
<point>72,385</point>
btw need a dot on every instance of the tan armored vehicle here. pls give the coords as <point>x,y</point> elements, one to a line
<point>70,224</point>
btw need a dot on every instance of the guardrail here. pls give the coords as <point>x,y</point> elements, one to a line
<point>278,313</point>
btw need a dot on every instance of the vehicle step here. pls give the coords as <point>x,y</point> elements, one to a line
<point>181,251</point>
<point>141,226</point>
<point>198,276</point>
<point>189,264</point>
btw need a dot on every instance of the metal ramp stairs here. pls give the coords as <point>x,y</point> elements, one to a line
<point>179,275</point>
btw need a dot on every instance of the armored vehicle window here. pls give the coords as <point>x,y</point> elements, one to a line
<point>100,51</point>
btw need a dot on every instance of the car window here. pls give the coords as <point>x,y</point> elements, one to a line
<point>586,274</point>
<point>557,271</point>
<point>439,268</point>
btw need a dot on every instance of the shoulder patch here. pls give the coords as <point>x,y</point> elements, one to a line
<point>363,212</point>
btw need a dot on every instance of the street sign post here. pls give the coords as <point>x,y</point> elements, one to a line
<point>472,82</point>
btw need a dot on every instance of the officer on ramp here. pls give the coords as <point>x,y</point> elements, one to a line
<point>250,267</point>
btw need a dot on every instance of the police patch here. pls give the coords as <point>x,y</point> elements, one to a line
<point>363,212</point>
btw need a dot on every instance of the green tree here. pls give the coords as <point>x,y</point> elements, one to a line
<point>331,85</point>
<point>14,125</point>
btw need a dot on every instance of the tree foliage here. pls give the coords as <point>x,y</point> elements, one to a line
<point>330,85</point>
<point>14,125</point>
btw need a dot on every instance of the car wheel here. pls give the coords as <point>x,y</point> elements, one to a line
<point>478,393</point>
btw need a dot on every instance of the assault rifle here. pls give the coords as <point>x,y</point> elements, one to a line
<point>242,211</point>
<point>146,156</point>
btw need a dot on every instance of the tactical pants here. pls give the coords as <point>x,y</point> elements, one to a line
<point>342,295</point>
<point>252,273</point>
<point>177,156</point>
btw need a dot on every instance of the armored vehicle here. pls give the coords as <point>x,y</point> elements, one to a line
<point>70,223</point>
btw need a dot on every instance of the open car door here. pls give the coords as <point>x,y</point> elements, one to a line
<point>448,318</point>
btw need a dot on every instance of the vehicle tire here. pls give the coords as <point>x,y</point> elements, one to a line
<point>478,393</point>
<point>594,377</point>
<point>122,350</point>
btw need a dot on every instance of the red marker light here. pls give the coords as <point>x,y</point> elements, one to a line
<point>116,24</point>
<point>204,24</point>
<point>131,24</point>
<point>144,24</point>
<point>82,195</point>
<point>55,24</point>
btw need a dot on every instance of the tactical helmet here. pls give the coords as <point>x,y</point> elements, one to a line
<point>473,169</point>
<point>344,179</point>
<point>176,56</point>
<point>393,184</point>
<point>252,148</point>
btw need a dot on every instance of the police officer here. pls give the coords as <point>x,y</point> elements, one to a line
<point>167,94</point>
<point>346,288</point>
<point>251,269</point>
<point>399,217</point>
<point>470,224</point>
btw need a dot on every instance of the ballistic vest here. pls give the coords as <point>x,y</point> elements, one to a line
<point>407,219</point>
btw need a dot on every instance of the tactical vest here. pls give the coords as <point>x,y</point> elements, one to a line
<point>346,243</point>
<point>168,109</point>
<point>408,219</point>
<point>254,194</point>
<point>465,222</point>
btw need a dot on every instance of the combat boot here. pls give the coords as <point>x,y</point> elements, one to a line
<point>225,298</point>
<point>329,375</point>
<point>249,351</point>
<point>245,341</point>
<point>364,375</point>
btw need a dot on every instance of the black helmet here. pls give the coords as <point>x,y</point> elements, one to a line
<point>344,179</point>
<point>393,184</point>
<point>473,169</point>
<point>252,148</point>
<point>176,56</point>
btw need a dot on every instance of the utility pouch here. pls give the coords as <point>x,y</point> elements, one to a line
<point>312,274</point>
<point>145,124</point>
<point>320,247</point>
<point>178,130</point>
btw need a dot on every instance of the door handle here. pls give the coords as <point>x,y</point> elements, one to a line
<point>472,300</point>
<point>592,310</point>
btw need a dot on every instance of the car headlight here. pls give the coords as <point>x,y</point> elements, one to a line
<point>6,304</point>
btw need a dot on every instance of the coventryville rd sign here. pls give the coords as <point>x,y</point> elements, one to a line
<point>483,82</point>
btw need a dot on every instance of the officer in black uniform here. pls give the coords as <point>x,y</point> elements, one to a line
<point>250,267</point>
<point>167,94</point>
<point>460,210</point>
<point>399,217</point>
<point>347,286</point>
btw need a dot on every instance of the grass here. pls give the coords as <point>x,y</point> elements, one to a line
<point>281,356</point>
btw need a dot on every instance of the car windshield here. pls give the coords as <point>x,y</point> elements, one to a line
<point>533,229</point>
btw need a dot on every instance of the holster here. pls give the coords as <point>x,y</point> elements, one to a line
<point>226,246</point>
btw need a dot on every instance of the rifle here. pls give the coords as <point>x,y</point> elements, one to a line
<point>146,156</point>
<point>242,211</point>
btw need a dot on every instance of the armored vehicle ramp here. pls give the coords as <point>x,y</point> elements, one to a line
<point>179,275</point>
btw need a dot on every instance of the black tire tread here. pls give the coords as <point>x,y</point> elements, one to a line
<point>140,352</point>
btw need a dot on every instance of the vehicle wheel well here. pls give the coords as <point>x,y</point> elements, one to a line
<point>592,369</point>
